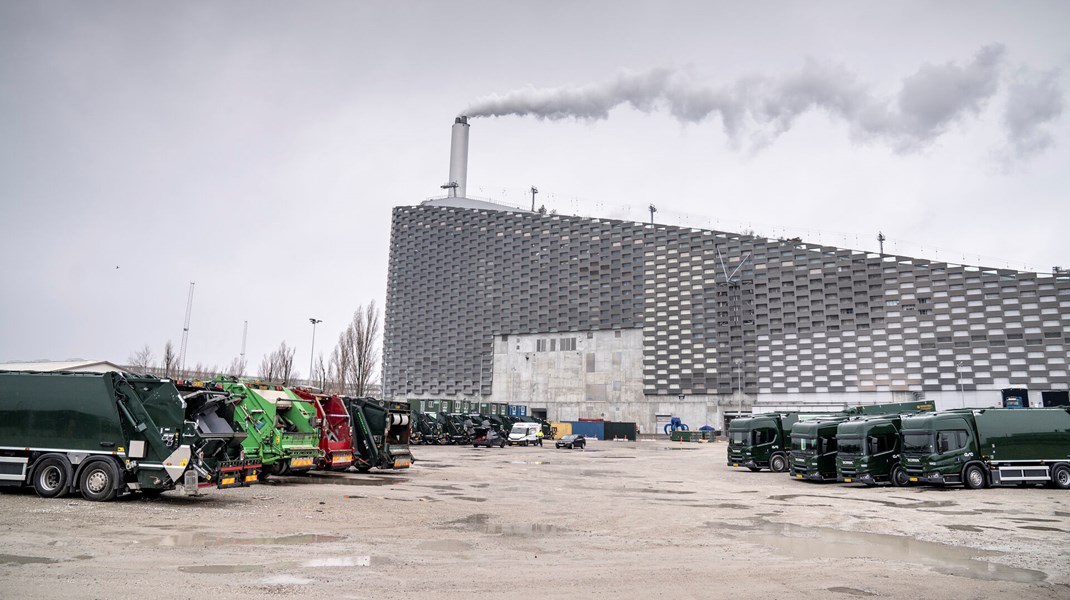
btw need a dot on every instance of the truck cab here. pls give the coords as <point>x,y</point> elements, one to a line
<point>937,446</point>
<point>814,448</point>
<point>760,441</point>
<point>868,451</point>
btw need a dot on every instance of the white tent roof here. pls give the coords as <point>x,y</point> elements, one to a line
<point>51,366</point>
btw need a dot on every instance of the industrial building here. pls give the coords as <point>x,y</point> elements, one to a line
<point>581,318</point>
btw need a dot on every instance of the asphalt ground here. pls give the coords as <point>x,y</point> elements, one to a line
<point>616,520</point>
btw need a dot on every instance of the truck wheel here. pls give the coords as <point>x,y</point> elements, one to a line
<point>1060,476</point>
<point>777,464</point>
<point>899,476</point>
<point>974,477</point>
<point>50,477</point>
<point>98,480</point>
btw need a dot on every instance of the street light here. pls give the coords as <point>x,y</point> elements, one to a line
<point>739,366</point>
<point>958,379</point>
<point>312,354</point>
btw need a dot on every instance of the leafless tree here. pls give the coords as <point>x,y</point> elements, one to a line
<point>278,366</point>
<point>170,359</point>
<point>355,358</point>
<point>142,359</point>
<point>319,377</point>
<point>237,367</point>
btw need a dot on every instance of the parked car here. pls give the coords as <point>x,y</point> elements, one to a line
<point>572,440</point>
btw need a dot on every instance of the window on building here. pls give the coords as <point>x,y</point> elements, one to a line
<point>540,345</point>
<point>590,362</point>
<point>568,344</point>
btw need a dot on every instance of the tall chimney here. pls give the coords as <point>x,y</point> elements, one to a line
<point>459,158</point>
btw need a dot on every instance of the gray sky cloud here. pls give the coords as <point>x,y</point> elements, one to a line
<point>1034,100</point>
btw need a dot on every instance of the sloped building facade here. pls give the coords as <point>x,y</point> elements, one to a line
<point>588,318</point>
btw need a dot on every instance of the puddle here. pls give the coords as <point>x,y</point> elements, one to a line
<point>15,559</point>
<point>970,528</point>
<point>446,546</point>
<point>677,448</point>
<point>354,497</point>
<point>910,503</point>
<point>661,491</point>
<point>285,580</point>
<point>221,569</point>
<point>481,523</point>
<point>340,561</point>
<point>529,462</point>
<point>1041,528</point>
<point>851,591</point>
<point>205,539</point>
<point>471,499</point>
<point>827,543</point>
<point>343,480</point>
<point>1062,514</point>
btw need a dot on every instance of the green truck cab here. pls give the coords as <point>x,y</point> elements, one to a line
<point>97,434</point>
<point>992,446</point>
<point>814,448</point>
<point>868,451</point>
<point>281,430</point>
<point>760,441</point>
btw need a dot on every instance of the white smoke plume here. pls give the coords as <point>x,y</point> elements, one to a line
<point>756,110</point>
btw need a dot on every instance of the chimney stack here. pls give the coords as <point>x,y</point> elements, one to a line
<point>458,158</point>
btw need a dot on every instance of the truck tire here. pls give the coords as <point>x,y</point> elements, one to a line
<point>778,464</point>
<point>98,480</point>
<point>974,477</point>
<point>899,477</point>
<point>51,477</point>
<point>1060,476</point>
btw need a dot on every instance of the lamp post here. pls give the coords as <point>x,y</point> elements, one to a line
<point>739,367</point>
<point>653,209</point>
<point>958,379</point>
<point>312,355</point>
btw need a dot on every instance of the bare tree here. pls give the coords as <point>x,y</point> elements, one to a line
<point>142,359</point>
<point>319,376</point>
<point>278,366</point>
<point>237,367</point>
<point>355,358</point>
<point>170,359</point>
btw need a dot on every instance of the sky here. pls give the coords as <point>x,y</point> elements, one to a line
<point>257,148</point>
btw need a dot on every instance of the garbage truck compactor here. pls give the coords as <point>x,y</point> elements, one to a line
<point>990,446</point>
<point>336,430</point>
<point>381,433</point>
<point>279,426</point>
<point>99,434</point>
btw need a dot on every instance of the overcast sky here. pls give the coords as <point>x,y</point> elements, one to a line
<point>257,148</point>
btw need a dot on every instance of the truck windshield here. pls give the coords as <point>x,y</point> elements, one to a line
<point>803,444</point>
<point>851,445</point>
<point>918,443</point>
<point>737,438</point>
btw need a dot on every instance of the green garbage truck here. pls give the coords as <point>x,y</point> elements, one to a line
<point>815,440</point>
<point>381,431</point>
<point>814,448</point>
<point>93,433</point>
<point>282,433</point>
<point>761,442</point>
<point>210,414</point>
<point>869,449</point>
<point>990,446</point>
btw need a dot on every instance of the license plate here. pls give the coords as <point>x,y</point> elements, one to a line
<point>913,478</point>
<point>735,464</point>
<point>401,464</point>
<point>297,463</point>
<point>799,476</point>
<point>228,481</point>
<point>847,480</point>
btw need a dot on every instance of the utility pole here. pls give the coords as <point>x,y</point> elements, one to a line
<point>653,209</point>
<point>958,378</point>
<point>880,240</point>
<point>185,330</point>
<point>244,336</point>
<point>534,190</point>
<point>739,367</point>
<point>312,355</point>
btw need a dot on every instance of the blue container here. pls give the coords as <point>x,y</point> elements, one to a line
<point>591,429</point>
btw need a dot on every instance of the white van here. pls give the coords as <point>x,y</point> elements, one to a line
<point>523,434</point>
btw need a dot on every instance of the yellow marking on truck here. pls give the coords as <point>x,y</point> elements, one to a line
<point>401,463</point>
<point>228,480</point>
<point>799,475</point>
<point>735,464</point>
<point>913,478</point>
<point>847,480</point>
<point>250,478</point>
<point>301,462</point>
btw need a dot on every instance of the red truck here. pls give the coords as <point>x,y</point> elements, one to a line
<point>336,430</point>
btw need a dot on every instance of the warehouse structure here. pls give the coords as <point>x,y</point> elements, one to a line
<point>591,318</point>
